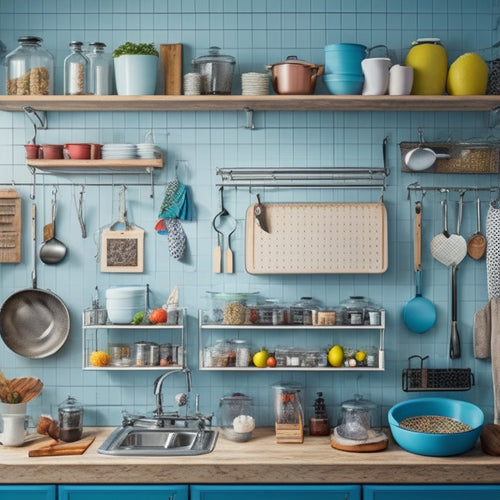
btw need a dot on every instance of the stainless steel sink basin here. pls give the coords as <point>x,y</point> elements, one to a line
<point>159,441</point>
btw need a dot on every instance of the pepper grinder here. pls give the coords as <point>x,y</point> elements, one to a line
<point>319,425</point>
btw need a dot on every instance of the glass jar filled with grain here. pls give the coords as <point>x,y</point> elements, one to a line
<point>30,68</point>
<point>76,71</point>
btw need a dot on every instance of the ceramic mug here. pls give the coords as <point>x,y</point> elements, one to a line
<point>13,429</point>
<point>32,151</point>
<point>51,151</point>
<point>376,73</point>
<point>77,151</point>
<point>400,80</point>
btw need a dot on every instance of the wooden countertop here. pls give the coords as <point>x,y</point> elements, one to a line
<point>259,460</point>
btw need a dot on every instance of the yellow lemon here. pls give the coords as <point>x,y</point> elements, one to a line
<point>430,65</point>
<point>336,356</point>
<point>260,358</point>
<point>468,75</point>
<point>360,356</point>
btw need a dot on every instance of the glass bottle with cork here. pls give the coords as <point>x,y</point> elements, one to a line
<point>76,71</point>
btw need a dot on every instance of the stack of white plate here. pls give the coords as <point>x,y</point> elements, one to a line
<point>148,150</point>
<point>119,151</point>
<point>254,84</point>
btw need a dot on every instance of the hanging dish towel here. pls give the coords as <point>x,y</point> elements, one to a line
<point>493,250</point>
<point>487,345</point>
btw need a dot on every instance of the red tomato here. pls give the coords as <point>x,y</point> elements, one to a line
<point>158,316</point>
<point>271,361</point>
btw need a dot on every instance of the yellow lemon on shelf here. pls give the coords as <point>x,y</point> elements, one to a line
<point>260,358</point>
<point>468,75</point>
<point>336,356</point>
<point>360,356</point>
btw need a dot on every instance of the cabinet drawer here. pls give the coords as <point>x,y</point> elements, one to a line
<point>434,492</point>
<point>123,492</point>
<point>25,492</point>
<point>275,492</point>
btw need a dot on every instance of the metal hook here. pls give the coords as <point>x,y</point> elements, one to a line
<point>33,186</point>
<point>42,120</point>
<point>250,124</point>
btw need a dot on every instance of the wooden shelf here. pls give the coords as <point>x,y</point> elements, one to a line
<point>96,166</point>
<point>256,103</point>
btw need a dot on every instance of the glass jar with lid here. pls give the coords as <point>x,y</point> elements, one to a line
<point>301,313</point>
<point>70,413</point>
<point>76,71</point>
<point>99,69</point>
<point>30,68</point>
<point>355,309</point>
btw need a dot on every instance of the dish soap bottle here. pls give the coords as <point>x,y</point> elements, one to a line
<point>319,425</point>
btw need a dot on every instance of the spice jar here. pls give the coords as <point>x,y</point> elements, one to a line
<point>76,71</point>
<point>301,312</point>
<point>236,415</point>
<point>30,68</point>
<point>99,69</point>
<point>70,420</point>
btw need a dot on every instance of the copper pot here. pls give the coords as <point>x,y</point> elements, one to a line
<point>294,77</point>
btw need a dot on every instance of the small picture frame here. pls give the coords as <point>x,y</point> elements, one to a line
<point>122,251</point>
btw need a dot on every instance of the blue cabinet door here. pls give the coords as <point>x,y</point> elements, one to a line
<point>28,492</point>
<point>275,492</point>
<point>123,492</point>
<point>434,492</point>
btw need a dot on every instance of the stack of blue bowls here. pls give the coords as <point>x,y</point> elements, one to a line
<point>343,73</point>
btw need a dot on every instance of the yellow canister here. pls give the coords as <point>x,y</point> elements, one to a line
<point>429,61</point>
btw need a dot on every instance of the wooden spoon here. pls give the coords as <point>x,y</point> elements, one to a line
<point>476,246</point>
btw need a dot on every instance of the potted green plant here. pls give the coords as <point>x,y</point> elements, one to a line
<point>136,67</point>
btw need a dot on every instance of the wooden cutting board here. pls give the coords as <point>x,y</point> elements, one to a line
<point>57,448</point>
<point>317,238</point>
<point>490,439</point>
<point>10,226</point>
<point>171,56</point>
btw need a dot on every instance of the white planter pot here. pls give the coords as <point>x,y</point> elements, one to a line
<point>136,74</point>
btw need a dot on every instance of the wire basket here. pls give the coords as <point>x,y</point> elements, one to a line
<point>435,379</point>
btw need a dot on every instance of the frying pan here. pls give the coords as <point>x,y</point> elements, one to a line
<point>34,323</point>
<point>419,313</point>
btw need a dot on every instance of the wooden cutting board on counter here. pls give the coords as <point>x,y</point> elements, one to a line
<point>57,448</point>
<point>317,238</point>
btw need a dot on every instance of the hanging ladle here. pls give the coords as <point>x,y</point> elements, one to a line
<point>53,251</point>
<point>422,158</point>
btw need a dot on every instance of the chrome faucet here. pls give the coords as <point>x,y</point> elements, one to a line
<point>158,385</point>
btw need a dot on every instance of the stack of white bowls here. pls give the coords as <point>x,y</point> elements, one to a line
<point>122,302</point>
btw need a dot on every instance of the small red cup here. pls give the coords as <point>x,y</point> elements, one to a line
<point>95,151</point>
<point>78,151</point>
<point>32,151</point>
<point>52,151</point>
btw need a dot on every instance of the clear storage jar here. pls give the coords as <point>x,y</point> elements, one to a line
<point>30,68</point>
<point>99,70</point>
<point>76,71</point>
<point>70,413</point>
<point>236,416</point>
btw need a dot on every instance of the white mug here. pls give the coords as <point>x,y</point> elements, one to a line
<point>13,429</point>
<point>376,72</point>
<point>400,80</point>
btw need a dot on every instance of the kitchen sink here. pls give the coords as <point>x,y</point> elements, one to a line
<point>159,441</point>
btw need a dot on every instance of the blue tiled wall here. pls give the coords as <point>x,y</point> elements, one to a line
<point>256,32</point>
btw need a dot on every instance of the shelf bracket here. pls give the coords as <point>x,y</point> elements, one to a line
<point>494,118</point>
<point>249,115</point>
<point>38,118</point>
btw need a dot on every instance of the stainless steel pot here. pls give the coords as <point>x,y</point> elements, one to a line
<point>294,77</point>
<point>34,323</point>
<point>216,72</point>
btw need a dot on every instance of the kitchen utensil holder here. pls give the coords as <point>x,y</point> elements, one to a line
<point>435,379</point>
<point>465,158</point>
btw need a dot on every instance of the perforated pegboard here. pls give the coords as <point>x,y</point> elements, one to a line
<point>317,238</point>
